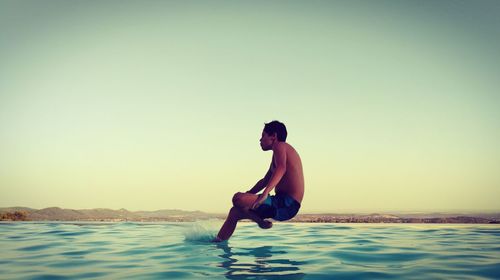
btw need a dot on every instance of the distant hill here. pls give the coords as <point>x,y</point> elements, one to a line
<point>12,209</point>
<point>101,214</point>
<point>435,218</point>
<point>491,215</point>
<point>175,215</point>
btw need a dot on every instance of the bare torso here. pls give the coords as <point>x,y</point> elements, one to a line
<point>292,182</point>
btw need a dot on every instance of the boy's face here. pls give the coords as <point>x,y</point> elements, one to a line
<point>266,141</point>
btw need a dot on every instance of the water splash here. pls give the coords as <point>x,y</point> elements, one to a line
<point>201,231</point>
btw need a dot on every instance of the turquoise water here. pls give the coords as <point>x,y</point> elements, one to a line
<point>55,250</point>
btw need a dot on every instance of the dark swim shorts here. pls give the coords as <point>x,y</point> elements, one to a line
<point>280,207</point>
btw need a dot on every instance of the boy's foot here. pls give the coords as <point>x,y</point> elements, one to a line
<point>265,224</point>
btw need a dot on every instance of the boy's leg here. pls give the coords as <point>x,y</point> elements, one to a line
<point>244,201</point>
<point>249,214</point>
<point>236,214</point>
<point>229,225</point>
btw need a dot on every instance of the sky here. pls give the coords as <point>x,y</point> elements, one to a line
<point>147,105</point>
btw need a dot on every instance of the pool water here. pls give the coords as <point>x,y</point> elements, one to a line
<point>79,250</point>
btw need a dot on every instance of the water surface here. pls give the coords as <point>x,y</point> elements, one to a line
<point>56,250</point>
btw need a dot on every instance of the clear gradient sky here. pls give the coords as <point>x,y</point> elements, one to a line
<point>145,105</point>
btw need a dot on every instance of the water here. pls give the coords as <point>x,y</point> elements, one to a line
<point>56,250</point>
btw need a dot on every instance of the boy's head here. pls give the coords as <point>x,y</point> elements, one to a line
<point>278,128</point>
<point>273,131</point>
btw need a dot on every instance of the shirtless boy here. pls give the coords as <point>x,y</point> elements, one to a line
<point>285,176</point>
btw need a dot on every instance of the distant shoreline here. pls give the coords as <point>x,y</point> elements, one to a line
<point>174,215</point>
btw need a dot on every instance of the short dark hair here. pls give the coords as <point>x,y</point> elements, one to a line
<point>278,128</point>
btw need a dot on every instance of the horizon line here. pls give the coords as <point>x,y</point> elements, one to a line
<point>345,211</point>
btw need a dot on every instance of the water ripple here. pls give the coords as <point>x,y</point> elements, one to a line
<point>287,251</point>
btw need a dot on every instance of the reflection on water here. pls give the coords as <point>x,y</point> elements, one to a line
<point>266,263</point>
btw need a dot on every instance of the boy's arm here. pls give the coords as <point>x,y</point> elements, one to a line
<point>279,156</point>
<point>261,183</point>
<point>259,186</point>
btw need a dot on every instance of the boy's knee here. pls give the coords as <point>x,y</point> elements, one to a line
<point>236,199</point>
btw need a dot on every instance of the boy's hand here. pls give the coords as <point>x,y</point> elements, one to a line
<point>260,200</point>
